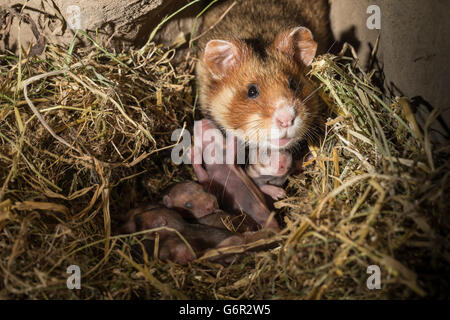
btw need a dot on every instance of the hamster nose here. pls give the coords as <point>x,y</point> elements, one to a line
<point>284,119</point>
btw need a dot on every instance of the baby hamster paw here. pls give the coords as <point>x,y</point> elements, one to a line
<point>275,192</point>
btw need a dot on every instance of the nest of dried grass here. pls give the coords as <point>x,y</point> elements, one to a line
<point>86,136</point>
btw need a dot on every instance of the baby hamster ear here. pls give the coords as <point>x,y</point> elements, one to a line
<point>167,201</point>
<point>297,42</point>
<point>221,56</point>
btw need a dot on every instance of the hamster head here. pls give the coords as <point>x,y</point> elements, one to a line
<point>275,163</point>
<point>190,196</point>
<point>155,218</point>
<point>261,95</point>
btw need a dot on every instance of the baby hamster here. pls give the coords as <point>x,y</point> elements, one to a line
<point>192,201</point>
<point>235,191</point>
<point>271,172</point>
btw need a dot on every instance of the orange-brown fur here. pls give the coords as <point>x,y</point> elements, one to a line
<point>265,19</point>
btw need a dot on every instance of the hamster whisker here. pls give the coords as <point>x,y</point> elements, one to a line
<point>254,121</point>
<point>298,89</point>
<point>311,94</point>
<point>225,184</point>
<point>328,51</point>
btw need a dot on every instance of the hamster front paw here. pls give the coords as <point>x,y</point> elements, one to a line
<point>276,193</point>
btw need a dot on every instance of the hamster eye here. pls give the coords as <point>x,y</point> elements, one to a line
<point>253,91</point>
<point>293,84</point>
<point>188,205</point>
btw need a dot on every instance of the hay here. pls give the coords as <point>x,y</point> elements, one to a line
<point>98,141</point>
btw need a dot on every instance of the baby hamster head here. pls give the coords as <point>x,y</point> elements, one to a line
<point>274,163</point>
<point>189,196</point>
<point>260,93</point>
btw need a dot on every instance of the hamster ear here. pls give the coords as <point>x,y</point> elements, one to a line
<point>298,43</point>
<point>167,201</point>
<point>221,56</point>
<point>159,221</point>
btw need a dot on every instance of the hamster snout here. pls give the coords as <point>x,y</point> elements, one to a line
<point>286,123</point>
<point>284,117</point>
